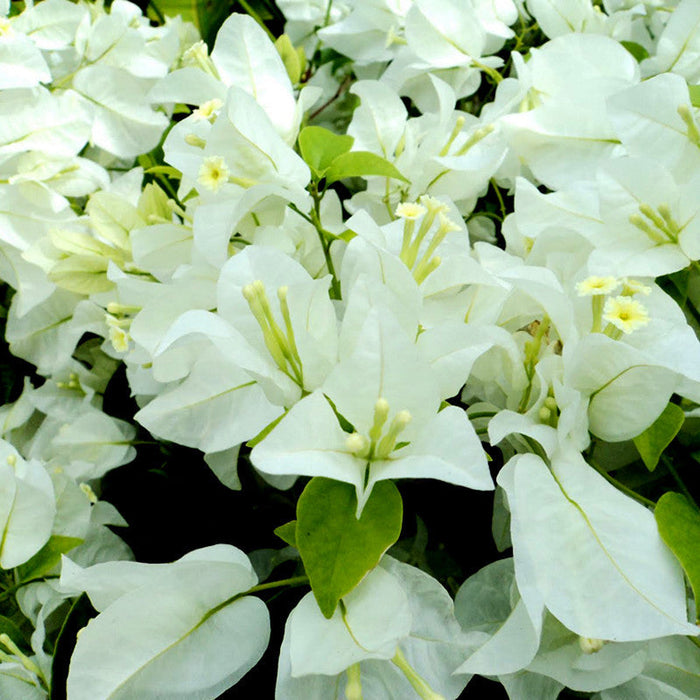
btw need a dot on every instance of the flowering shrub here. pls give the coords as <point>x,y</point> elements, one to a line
<point>418,281</point>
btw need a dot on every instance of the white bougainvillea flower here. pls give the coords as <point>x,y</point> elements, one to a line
<point>273,338</point>
<point>651,221</point>
<point>564,132</point>
<point>656,120</point>
<point>161,614</point>
<point>27,507</point>
<point>398,431</point>
<point>568,547</point>
<point>540,651</point>
<point>678,46</point>
<point>398,631</point>
<point>243,56</point>
<point>671,671</point>
<point>238,164</point>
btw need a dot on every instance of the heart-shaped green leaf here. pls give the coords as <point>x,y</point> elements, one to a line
<point>338,549</point>
<point>319,147</point>
<point>679,527</point>
<point>361,164</point>
<point>658,436</point>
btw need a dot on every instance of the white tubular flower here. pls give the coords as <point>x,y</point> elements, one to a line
<point>207,110</point>
<point>596,285</point>
<point>625,313</point>
<point>630,287</point>
<point>410,211</point>
<point>213,173</point>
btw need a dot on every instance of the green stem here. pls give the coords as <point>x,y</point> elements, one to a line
<point>676,477</point>
<point>327,17</point>
<point>500,199</point>
<point>12,589</point>
<point>620,486</point>
<point>326,238</point>
<point>491,72</point>
<point>341,89</point>
<point>294,581</point>
<point>157,12</point>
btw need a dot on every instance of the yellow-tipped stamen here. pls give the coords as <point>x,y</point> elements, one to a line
<point>446,226</point>
<point>478,135</point>
<point>198,56</point>
<point>17,653</point>
<point>686,115</point>
<point>89,493</point>
<point>282,348</point>
<point>459,125</point>
<point>388,442</point>
<point>195,141</point>
<point>381,413</point>
<point>420,275</point>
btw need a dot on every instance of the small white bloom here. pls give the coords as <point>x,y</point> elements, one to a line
<point>589,645</point>
<point>410,211</point>
<point>625,313</point>
<point>631,287</point>
<point>207,110</point>
<point>213,173</point>
<point>596,285</point>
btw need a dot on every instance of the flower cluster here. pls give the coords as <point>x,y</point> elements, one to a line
<point>453,240</point>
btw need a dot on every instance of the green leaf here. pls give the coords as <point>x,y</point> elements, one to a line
<point>336,548</point>
<point>48,557</point>
<point>78,616</point>
<point>658,436</point>
<point>637,50</point>
<point>679,527</point>
<point>186,8</point>
<point>293,58</point>
<point>694,91</point>
<point>361,164</point>
<point>211,14</point>
<point>320,147</point>
<point>288,532</point>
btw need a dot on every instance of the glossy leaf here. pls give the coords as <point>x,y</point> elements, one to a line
<point>288,533</point>
<point>679,527</point>
<point>187,9</point>
<point>361,164</point>
<point>320,147</point>
<point>338,549</point>
<point>658,436</point>
<point>44,561</point>
<point>637,50</point>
